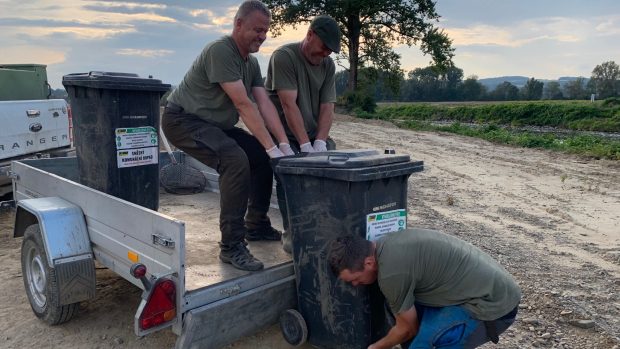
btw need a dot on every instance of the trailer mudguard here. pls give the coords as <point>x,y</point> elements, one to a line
<point>66,243</point>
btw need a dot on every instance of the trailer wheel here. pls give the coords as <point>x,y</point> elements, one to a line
<point>40,280</point>
<point>293,327</point>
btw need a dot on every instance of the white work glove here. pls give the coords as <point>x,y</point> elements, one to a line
<point>286,149</point>
<point>274,152</point>
<point>306,148</point>
<point>319,145</point>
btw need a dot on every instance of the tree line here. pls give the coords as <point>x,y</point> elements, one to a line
<point>433,84</point>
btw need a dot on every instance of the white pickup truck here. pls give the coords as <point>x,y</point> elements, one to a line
<point>32,125</point>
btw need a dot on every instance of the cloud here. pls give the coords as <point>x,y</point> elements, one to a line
<point>47,56</point>
<point>144,53</point>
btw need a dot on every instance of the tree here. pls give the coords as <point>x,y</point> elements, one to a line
<point>505,92</point>
<point>552,90</point>
<point>369,28</point>
<point>576,89</point>
<point>532,90</point>
<point>604,80</point>
<point>471,89</point>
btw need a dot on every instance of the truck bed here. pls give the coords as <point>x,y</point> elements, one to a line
<point>200,215</point>
<point>200,212</point>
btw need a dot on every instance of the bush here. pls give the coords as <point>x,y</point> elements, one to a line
<point>351,100</point>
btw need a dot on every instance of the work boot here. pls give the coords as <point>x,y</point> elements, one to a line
<point>240,257</point>
<point>263,233</point>
<point>287,245</point>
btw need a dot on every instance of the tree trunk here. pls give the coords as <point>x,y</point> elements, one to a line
<point>354,27</point>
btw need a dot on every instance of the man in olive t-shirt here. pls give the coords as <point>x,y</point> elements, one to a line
<point>301,84</point>
<point>219,88</point>
<point>442,290</point>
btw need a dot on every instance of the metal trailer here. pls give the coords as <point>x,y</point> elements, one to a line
<point>67,227</point>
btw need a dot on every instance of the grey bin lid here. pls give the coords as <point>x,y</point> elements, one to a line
<point>114,81</point>
<point>348,164</point>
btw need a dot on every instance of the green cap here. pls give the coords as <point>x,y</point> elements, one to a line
<point>327,29</point>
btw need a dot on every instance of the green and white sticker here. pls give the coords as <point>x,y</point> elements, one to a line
<point>136,146</point>
<point>136,137</point>
<point>382,223</point>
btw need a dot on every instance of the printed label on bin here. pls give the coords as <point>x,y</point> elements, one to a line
<point>136,146</point>
<point>136,137</point>
<point>137,157</point>
<point>382,223</point>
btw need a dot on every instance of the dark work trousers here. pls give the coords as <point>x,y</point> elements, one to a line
<point>331,145</point>
<point>246,177</point>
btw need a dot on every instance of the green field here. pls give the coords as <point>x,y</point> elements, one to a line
<point>579,127</point>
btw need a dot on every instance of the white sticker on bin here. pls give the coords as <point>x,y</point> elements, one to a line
<point>382,223</point>
<point>137,157</point>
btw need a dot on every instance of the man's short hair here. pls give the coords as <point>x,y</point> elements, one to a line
<point>250,6</point>
<point>348,252</point>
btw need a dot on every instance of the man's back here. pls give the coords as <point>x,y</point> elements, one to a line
<point>436,269</point>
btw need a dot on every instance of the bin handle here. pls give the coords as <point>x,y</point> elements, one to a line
<point>337,158</point>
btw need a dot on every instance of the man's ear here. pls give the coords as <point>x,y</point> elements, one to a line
<point>370,262</point>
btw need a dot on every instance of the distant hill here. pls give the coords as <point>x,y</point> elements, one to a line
<point>520,81</point>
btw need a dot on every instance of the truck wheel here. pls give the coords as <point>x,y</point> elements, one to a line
<point>40,280</point>
<point>293,327</point>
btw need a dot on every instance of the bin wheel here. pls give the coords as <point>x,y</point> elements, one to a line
<point>293,327</point>
<point>40,280</point>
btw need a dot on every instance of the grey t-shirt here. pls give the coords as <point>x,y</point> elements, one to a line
<point>315,84</point>
<point>200,92</point>
<point>437,269</point>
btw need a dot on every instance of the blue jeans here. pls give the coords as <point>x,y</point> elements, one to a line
<point>454,327</point>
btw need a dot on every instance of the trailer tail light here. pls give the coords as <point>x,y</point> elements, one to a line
<point>161,305</point>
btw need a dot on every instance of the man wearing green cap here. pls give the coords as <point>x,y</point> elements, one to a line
<point>301,84</point>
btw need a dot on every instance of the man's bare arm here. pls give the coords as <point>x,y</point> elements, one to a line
<point>269,114</point>
<point>407,326</point>
<point>248,112</point>
<point>294,119</point>
<point>326,118</point>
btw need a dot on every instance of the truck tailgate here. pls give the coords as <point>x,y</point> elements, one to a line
<point>33,126</point>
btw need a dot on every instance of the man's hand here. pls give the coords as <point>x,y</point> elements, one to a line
<point>274,152</point>
<point>307,148</point>
<point>319,145</point>
<point>286,149</point>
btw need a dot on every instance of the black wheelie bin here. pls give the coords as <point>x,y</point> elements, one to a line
<point>331,194</point>
<point>115,125</point>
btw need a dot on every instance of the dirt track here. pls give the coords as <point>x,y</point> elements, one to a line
<point>551,219</point>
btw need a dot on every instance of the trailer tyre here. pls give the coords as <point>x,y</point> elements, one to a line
<point>40,280</point>
<point>293,327</point>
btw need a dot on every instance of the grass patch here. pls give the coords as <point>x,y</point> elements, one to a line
<point>586,145</point>
<point>496,123</point>
<point>572,115</point>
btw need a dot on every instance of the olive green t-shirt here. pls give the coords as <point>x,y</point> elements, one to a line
<point>437,269</point>
<point>315,84</point>
<point>200,92</point>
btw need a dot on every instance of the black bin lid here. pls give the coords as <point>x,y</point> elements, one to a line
<point>348,164</point>
<point>346,158</point>
<point>114,81</point>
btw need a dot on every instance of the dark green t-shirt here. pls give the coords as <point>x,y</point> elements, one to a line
<point>437,269</point>
<point>200,92</point>
<point>315,84</point>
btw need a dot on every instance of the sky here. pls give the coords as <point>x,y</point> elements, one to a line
<point>544,39</point>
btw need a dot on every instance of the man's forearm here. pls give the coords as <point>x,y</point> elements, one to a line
<point>272,121</point>
<point>253,121</point>
<point>394,337</point>
<point>295,122</point>
<point>326,118</point>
